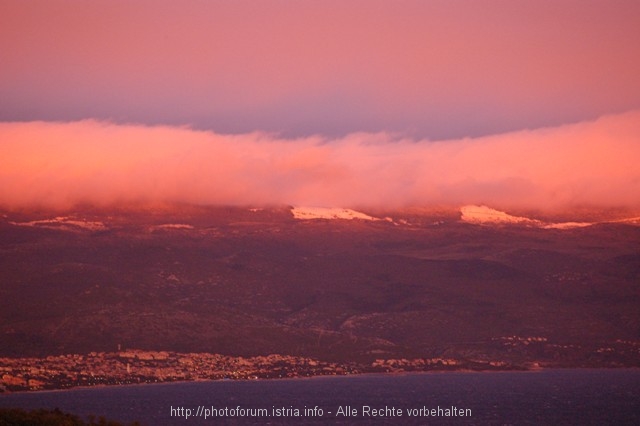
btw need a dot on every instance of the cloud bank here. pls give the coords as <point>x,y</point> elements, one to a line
<point>58,165</point>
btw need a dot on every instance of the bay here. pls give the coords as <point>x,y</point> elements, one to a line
<point>580,396</point>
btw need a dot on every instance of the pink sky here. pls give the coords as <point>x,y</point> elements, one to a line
<point>435,69</point>
<point>319,101</point>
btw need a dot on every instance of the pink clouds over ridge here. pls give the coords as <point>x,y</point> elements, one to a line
<point>58,164</point>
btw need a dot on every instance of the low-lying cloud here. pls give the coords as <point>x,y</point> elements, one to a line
<point>58,165</point>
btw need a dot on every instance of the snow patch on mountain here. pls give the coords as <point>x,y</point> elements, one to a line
<point>484,214</point>
<point>64,223</point>
<point>628,221</point>
<point>306,213</point>
<point>567,225</point>
<point>173,226</point>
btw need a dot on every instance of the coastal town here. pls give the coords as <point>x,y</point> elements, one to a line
<point>134,366</point>
<point>138,366</point>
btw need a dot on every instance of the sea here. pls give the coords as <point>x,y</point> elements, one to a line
<point>545,397</point>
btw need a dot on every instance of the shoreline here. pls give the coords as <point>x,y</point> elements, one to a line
<point>318,377</point>
<point>136,366</point>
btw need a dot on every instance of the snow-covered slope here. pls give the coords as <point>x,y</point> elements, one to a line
<point>629,221</point>
<point>64,223</point>
<point>173,226</point>
<point>486,215</point>
<point>567,225</point>
<point>305,213</point>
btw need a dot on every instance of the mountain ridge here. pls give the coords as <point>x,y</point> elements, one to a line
<point>247,283</point>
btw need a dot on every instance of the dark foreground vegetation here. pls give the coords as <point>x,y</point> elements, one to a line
<point>20,417</point>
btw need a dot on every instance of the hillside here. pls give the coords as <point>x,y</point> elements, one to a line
<point>248,282</point>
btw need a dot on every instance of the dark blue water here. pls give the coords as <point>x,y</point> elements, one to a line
<point>560,397</point>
